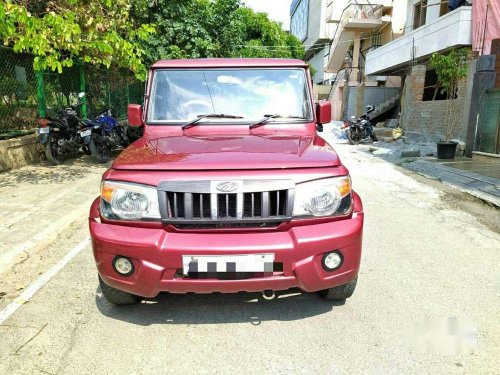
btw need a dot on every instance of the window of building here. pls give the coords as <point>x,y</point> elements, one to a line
<point>443,8</point>
<point>495,48</point>
<point>432,89</point>
<point>419,14</point>
<point>298,21</point>
<point>375,41</point>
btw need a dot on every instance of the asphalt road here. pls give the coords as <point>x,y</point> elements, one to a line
<point>427,301</point>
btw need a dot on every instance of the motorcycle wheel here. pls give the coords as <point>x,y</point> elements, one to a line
<point>86,150</point>
<point>352,138</point>
<point>53,151</point>
<point>99,149</point>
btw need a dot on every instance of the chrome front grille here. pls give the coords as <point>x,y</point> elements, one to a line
<point>248,201</point>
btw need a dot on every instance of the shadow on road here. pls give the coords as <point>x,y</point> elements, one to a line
<point>218,308</point>
<point>72,169</point>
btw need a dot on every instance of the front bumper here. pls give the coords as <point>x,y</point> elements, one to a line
<point>157,255</point>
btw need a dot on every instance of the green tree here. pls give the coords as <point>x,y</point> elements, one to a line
<point>451,68</point>
<point>212,28</point>
<point>60,32</point>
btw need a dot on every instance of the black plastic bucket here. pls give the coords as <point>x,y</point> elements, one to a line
<point>446,150</point>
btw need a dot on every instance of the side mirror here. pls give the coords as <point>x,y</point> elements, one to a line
<point>323,112</point>
<point>134,114</point>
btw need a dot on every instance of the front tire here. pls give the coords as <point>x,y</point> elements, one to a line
<point>352,138</point>
<point>86,150</point>
<point>54,153</point>
<point>116,296</point>
<point>99,148</point>
<point>339,292</point>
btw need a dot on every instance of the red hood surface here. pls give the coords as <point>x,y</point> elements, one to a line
<point>182,152</point>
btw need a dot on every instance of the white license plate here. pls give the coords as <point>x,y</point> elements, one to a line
<point>227,263</point>
<point>86,133</point>
<point>43,130</point>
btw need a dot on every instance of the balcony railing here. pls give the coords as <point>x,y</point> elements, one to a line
<point>337,12</point>
<point>353,17</point>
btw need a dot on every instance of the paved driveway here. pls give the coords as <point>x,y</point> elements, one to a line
<point>427,302</point>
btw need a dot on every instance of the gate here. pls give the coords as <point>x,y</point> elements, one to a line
<point>489,137</point>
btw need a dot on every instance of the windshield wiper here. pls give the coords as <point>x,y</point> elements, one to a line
<point>193,122</point>
<point>267,118</point>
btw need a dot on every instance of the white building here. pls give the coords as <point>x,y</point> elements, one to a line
<point>430,27</point>
<point>308,23</point>
<point>337,34</point>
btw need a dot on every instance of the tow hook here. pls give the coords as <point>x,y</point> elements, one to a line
<point>268,295</point>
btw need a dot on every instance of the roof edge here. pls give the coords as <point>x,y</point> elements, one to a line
<point>229,62</point>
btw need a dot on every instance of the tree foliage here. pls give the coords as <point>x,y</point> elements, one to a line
<point>451,68</point>
<point>59,32</point>
<point>212,28</point>
<point>134,33</point>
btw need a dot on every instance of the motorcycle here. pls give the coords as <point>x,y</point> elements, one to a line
<point>107,134</point>
<point>359,129</point>
<point>63,134</point>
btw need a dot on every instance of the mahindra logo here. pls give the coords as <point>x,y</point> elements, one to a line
<point>227,187</point>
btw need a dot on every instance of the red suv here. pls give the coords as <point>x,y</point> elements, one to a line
<point>230,188</point>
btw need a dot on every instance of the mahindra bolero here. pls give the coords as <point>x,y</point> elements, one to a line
<point>229,189</point>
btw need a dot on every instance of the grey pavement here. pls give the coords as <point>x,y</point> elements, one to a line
<point>477,177</point>
<point>38,201</point>
<point>475,180</point>
<point>427,302</point>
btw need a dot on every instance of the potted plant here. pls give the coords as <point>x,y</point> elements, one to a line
<point>450,70</point>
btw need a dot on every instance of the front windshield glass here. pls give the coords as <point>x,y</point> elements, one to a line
<point>179,96</point>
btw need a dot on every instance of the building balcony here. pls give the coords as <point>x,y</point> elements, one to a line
<point>351,19</point>
<point>453,29</point>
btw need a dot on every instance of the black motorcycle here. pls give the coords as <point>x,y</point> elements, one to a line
<point>63,135</point>
<point>107,134</point>
<point>359,129</point>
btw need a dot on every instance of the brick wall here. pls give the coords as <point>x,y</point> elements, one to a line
<point>424,121</point>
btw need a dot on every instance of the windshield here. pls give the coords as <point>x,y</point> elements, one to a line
<point>179,96</point>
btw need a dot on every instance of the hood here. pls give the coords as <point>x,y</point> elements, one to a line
<point>227,152</point>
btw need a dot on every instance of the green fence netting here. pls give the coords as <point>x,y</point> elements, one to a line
<point>18,92</point>
<point>110,88</point>
<point>26,94</point>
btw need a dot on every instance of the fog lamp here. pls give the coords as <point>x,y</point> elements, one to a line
<point>331,261</point>
<point>123,266</point>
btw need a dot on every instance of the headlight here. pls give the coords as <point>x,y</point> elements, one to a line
<point>325,197</point>
<point>127,201</point>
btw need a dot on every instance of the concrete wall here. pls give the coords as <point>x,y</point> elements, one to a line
<point>377,95</point>
<point>398,20</point>
<point>423,121</point>
<point>317,61</point>
<point>337,99</point>
<point>18,152</point>
<point>452,29</point>
<point>371,96</point>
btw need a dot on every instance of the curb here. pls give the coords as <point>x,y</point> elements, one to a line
<point>460,181</point>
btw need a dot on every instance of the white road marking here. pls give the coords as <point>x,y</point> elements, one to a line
<point>42,280</point>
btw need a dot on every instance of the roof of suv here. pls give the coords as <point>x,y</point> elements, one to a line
<point>228,63</point>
